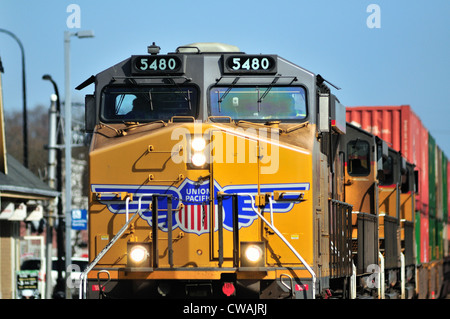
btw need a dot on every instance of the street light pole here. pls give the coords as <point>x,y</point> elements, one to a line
<point>60,282</point>
<point>24,95</point>
<point>68,146</point>
<point>53,203</point>
<point>68,153</point>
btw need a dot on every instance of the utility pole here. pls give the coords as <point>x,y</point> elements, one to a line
<point>59,290</point>
<point>68,144</point>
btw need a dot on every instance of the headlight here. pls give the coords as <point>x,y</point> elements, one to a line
<point>198,144</point>
<point>197,152</point>
<point>252,254</point>
<point>198,159</point>
<point>138,254</point>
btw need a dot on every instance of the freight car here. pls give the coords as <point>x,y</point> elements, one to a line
<point>216,173</point>
<point>404,131</point>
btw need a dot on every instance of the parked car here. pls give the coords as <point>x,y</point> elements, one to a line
<point>78,265</point>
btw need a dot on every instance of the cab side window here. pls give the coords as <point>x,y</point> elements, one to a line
<point>358,158</point>
<point>388,171</point>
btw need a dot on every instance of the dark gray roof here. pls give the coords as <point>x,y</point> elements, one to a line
<point>21,180</point>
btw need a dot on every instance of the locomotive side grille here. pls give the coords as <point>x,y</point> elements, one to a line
<point>340,238</point>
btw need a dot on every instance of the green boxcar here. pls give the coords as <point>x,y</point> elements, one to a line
<point>436,237</point>
<point>442,225</point>
<point>432,204</point>
<point>432,176</point>
<point>439,239</point>
<point>418,236</point>
<point>432,237</point>
<point>444,187</point>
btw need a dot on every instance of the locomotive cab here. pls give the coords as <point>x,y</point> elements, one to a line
<point>361,190</point>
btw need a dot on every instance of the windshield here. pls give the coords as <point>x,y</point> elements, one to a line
<point>144,104</point>
<point>259,103</point>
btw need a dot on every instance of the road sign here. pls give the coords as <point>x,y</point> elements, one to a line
<point>79,219</point>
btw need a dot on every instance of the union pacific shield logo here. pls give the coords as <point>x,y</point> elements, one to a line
<point>196,215</point>
<point>194,218</point>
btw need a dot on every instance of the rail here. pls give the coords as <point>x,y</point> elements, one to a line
<point>83,276</point>
<point>236,233</point>
<point>155,254</point>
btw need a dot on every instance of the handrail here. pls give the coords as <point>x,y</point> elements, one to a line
<point>83,276</point>
<point>381,284</point>
<point>291,288</point>
<point>275,230</point>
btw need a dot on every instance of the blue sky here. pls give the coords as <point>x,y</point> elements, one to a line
<point>405,61</point>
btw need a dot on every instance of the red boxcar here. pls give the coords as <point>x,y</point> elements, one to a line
<point>425,253</point>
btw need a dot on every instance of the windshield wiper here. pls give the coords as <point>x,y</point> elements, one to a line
<point>221,98</point>
<point>266,92</point>
<point>119,104</point>
<point>150,99</point>
<point>181,92</point>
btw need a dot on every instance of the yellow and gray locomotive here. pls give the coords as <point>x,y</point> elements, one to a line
<point>215,173</point>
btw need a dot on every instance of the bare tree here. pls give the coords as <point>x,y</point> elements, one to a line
<point>37,137</point>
